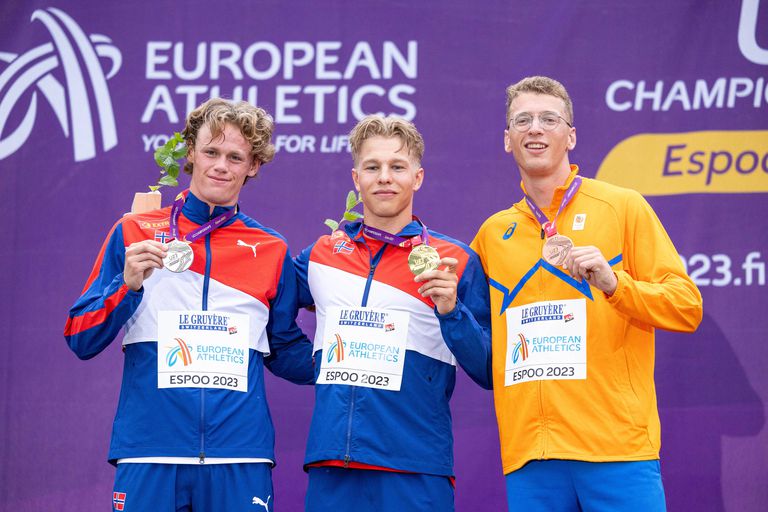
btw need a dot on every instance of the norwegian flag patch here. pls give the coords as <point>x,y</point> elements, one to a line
<point>162,236</point>
<point>118,500</point>
<point>343,246</point>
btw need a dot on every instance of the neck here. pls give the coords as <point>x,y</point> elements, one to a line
<point>541,188</point>
<point>392,225</point>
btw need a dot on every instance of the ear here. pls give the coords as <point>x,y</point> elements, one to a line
<point>355,180</point>
<point>572,139</point>
<point>191,154</point>
<point>507,141</point>
<point>419,179</point>
<point>254,169</point>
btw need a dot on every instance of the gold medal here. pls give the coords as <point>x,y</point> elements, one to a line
<point>422,258</point>
<point>556,249</point>
<point>179,257</point>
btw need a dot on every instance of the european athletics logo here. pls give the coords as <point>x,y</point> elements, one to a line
<point>521,349</point>
<point>182,350</point>
<point>336,350</point>
<point>34,70</point>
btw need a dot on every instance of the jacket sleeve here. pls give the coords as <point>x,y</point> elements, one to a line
<point>301,265</point>
<point>467,329</point>
<point>106,302</point>
<point>653,286</point>
<point>291,350</point>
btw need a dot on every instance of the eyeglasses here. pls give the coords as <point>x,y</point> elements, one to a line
<point>547,120</point>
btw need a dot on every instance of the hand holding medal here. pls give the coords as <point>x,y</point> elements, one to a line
<point>588,263</point>
<point>141,259</point>
<point>440,285</point>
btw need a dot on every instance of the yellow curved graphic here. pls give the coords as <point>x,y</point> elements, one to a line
<point>716,162</point>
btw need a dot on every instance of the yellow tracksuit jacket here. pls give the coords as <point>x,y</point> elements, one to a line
<point>612,415</point>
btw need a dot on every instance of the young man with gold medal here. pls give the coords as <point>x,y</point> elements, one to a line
<point>387,343</point>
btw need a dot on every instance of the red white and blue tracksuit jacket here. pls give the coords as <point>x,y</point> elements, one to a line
<point>225,276</point>
<point>407,430</point>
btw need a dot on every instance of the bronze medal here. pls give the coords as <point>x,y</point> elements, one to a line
<point>422,258</point>
<point>179,257</point>
<point>556,249</point>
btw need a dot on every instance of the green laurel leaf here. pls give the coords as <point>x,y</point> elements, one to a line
<point>332,224</point>
<point>168,180</point>
<point>351,199</point>
<point>352,215</point>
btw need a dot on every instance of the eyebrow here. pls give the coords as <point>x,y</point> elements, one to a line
<point>542,112</point>
<point>377,161</point>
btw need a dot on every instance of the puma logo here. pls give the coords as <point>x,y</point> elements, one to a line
<point>253,247</point>
<point>256,499</point>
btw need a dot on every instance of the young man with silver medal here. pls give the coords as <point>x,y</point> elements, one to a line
<point>203,315</point>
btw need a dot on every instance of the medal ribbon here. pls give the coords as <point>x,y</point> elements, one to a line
<point>389,238</point>
<point>200,231</point>
<point>547,225</point>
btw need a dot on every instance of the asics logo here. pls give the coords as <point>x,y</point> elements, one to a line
<point>32,72</point>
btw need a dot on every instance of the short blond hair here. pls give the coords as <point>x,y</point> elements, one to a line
<point>540,85</point>
<point>255,124</point>
<point>388,127</point>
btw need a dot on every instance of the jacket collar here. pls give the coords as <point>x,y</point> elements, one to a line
<point>557,197</point>
<point>198,211</point>
<point>355,230</point>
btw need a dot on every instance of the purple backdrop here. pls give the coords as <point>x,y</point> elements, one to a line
<point>86,92</point>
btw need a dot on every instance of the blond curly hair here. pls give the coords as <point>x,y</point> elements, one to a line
<point>254,123</point>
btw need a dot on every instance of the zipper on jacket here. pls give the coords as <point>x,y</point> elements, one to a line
<point>374,261</point>
<point>206,281</point>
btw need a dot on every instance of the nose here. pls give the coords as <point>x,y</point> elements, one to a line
<point>535,125</point>
<point>385,175</point>
<point>220,164</point>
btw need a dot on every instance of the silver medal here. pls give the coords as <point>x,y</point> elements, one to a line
<point>179,257</point>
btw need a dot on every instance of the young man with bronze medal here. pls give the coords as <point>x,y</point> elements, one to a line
<point>581,273</point>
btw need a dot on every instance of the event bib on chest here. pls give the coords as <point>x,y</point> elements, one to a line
<point>364,347</point>
<point>546,341</point>
<point>202,349</point>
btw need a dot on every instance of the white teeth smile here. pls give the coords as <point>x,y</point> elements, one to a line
<point>535,145</point>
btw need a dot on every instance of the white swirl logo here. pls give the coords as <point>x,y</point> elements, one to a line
<point>69,101</point>
<point>748,33</point>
